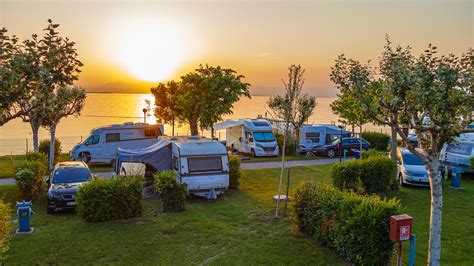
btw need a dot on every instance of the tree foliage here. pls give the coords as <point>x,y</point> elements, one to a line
<point>201,98</point>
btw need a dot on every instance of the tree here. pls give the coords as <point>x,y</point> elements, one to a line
<point>63,102</point>
<point>349,109</point>
<point>201,98</point>
<point>431,95</point>
<point>293,109</point>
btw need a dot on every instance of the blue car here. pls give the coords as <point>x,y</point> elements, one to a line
<point>65,180</point>
<point>411,170</point>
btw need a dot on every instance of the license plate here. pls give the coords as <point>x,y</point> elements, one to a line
<point>71,203</point>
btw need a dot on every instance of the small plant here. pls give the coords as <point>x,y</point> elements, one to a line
<point>377,140</point>
<point>290,147</point>
<point>44,148</point>
<point>173,194</point>
<point>372,153</point>
<point>5,229</point>
<point>29,178</point>
<point>234,172</point>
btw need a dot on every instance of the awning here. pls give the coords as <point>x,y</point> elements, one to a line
<point>157,155</point>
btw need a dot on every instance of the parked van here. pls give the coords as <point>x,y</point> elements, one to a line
<point>458,153</point>
<point>251,136</point>
<point>201,163</point>
<point>102,143</point>
<point>314,136</point>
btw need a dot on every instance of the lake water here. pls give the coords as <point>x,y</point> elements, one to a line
<point>108,108</point>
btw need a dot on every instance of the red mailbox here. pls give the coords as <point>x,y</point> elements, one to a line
<point>400,227</point>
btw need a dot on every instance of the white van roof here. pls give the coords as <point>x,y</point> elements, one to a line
<point>126,125</point>
<point>250,124</point>
<point>329,128</point>
<point>197,145</point>
<point>466,137</point>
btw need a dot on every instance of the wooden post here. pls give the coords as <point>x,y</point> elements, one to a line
<point>26,146</point>
<point>287,191</point>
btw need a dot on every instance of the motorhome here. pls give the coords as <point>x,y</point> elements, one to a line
<point>201,163</point>
<point>458,153</point>
<point>102,143</point>
<point>313,136</point>
<point>250,136</point>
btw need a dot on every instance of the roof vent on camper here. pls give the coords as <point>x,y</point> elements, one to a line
<point>173,138</point>
<point>260,123</point>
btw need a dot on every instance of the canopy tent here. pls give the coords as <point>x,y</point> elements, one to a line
<point>157,155</point>
<point>228,123</point>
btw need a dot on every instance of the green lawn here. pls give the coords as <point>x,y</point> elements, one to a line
<point>8,163</point>
<point>297,157</point>
<point>238,228</point>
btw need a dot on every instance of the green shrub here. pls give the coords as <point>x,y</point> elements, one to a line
<point>291,145</point>
<point>5,229</point>
<point>234,172</point>
<point>371,175</point>
<point>29,177</point>
<point>377,140</point>
<point>44,148</point>
<point>117,198</point>
<point>37,156</point>
<point>346,175</point>
<point>172,193</point>
<point>472,162</point>
<point>356,226</point>
<point>372,153</point>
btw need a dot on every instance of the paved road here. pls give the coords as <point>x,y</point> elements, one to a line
<point>259,165</point>
<point>267,165</point>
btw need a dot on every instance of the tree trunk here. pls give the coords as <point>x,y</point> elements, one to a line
<point>35,128</point>
<point>353,129</point>
<point>436,185</point>
<point>193,124</point>
<point>360,136</point>
<point>393,144</point>
<point>52,130</point>
<point>282,169</point>
<point>172,131</point>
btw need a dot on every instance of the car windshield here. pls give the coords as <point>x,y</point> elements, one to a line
<point>71,175</point>
<point>263,136</point>
<point>411,159</point>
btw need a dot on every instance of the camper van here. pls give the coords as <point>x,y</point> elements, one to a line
<point>458,153</point>
<point>314,136</point>
<point>251,136</point>
<point>102,143</point>
<point>201,163</point>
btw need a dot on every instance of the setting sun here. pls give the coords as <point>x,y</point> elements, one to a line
<point>151,50</point>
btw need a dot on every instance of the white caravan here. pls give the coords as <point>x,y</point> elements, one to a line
<point>102,143</point>
<point>201,163</point>
<point>251,136</point>
<point>318,135</point>
<point>459,153</point>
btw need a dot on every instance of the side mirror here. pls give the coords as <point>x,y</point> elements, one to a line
<point>86,144</point>
<point>250,139</point>
<point>48,180</point>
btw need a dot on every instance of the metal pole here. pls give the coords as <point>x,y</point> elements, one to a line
<point>340,147</point>
<point>287,191</point>
<point>411,259</point>
<point>400,253</point>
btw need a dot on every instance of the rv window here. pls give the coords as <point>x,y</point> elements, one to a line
<point>264,136</point>
<point>110,137</point>
<point>462,148</point>
<point>92,140</point>
<point>150,133</point>
<point>204,164</point>
<point>312,136</point>
<point>260,124</point>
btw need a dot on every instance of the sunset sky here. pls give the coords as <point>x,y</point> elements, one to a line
<point>126,45</point>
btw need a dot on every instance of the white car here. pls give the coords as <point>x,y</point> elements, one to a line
<point>411,170</point>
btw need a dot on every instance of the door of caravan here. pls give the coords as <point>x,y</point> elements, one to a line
<point>246,144</point>
<point>93,145</point>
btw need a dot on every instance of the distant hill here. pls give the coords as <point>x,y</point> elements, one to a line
<point>123,87</point>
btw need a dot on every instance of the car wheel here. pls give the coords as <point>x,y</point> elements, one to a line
<point>252,153</point>
<point>400,180</point>
<point>331,153</point>
<point>85,157</point>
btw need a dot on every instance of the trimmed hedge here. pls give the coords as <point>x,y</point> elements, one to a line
<point>372,153</point>
<point>377,140</point>
<point>290,147</point>
<point>116,198</point>
<point>356,226</point>
<point>234,172</point>
<point>5,229</point>
<point>371,175</point>
<point>29,175</point>
<point>173,194</point>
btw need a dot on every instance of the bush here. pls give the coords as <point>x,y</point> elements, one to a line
<point>371,175</point>
<point>44,148</point>
<point>117,198</point>
<point>372,153</point>
<point>5,229</point>
<point>173,194</point>
<point>29,178</point>
<point>472,162</point>
<point>37,156</point>
<point>234,172</point>
<point>291,145</point>
<point>377,140</point>
<point>356,226</point>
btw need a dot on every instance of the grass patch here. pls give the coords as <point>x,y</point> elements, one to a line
<point>239,227</point>
<point>297,157</point>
